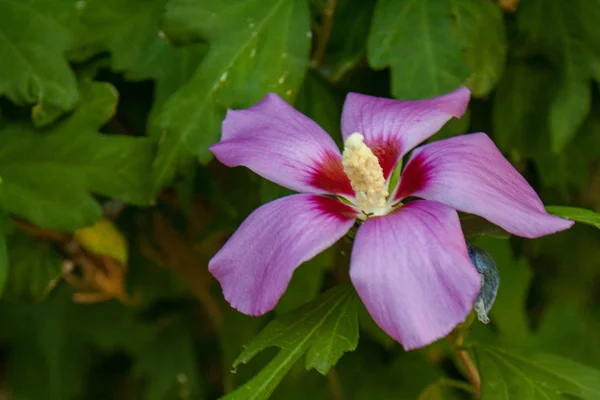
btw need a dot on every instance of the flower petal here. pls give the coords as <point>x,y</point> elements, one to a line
<point>256,264</point>
<point>413,273</point>
<point>282,145</point>
<point>470,174</point>
<point>392,128</point>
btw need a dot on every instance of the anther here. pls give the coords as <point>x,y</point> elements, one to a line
<point>365,174</point>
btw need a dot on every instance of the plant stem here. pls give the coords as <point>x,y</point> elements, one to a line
<point>471,371</point>
<point>335,387</point>
<point>456,340</point>
<point>323,39</point>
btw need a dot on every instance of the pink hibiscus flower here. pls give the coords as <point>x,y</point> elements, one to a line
<point>409,261</point>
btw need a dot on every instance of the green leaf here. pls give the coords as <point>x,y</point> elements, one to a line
<point>130,31</point>
<point>565,34</point>
<point>576,214</point>
<point>347,45</point>
<point>47,176</point>
<point>487,54</point>
<point>325,329</point>
<point>64,12</point>
<point>34,69</point>
<point>183,62</point>
<point>434,46</point>
<point>569,109</point>
<point>417,40</point>
<point>34,268</point>
<point>520,107</point>
<point>569,171</point>
<point>259,47</point>
<point>510,375</point>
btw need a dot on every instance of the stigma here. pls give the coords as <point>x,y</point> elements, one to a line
<point>365,175</point>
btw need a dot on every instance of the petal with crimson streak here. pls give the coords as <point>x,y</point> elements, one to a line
<point>282,145</point>
<point>412,271</point>
<point>470,174</point>
<point>256,264</point>
<point>392,128</point>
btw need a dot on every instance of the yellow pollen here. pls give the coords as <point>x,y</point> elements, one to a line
<point>365,174</point>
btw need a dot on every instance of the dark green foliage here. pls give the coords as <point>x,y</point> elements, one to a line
<point>108,109</point>
<point>324,329</point>
<point>520,375</point>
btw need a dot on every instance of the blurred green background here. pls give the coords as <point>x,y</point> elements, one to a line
<point>107,110</point>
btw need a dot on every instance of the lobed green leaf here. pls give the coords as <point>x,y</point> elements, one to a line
<point>47,176</point>
<point>34,69</point>
<point>254,48</point>
<point>432,47</point>
<point>325,329</point>
<point>565,33</point>
<point>506,374</point>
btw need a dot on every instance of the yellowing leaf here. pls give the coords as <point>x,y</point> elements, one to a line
<point>103,238</point>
